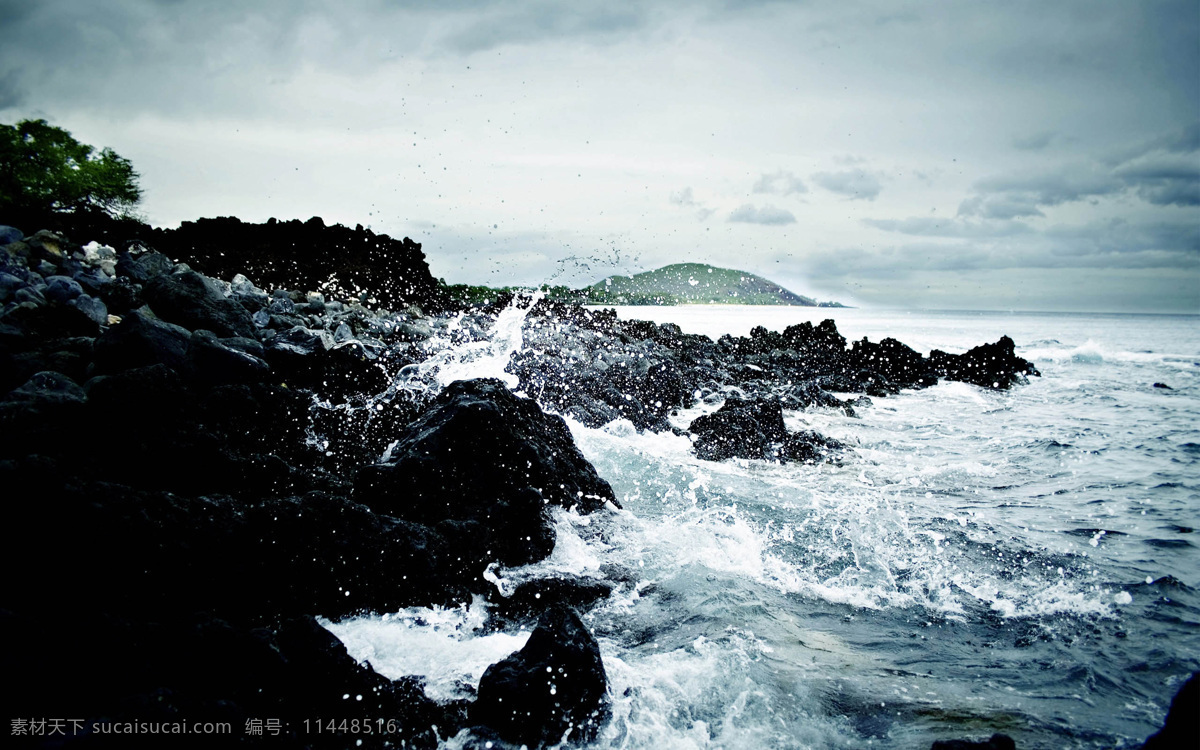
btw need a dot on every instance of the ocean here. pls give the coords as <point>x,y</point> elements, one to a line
<point>981,561</point>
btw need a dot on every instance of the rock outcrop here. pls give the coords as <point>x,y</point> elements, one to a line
<point>551,691</point>
<point>163,479</point>
<point>484,466</point>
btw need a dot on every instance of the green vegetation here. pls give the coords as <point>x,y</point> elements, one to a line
<point>678,284</point>
<point>692,284</point>
<point>470,295</point>
<point>44,171</point>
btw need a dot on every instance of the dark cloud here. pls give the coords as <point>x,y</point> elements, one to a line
<point>1002,206</point>
<point>1067,183</point>
<point>133,55</point>
<point>1164,171</point>
<point>856,184</point>
<point>1112,244</point>
<point>1164,178</point>
<point>12,94</point>
<point>523,23</point>
<point>780,183</point>
<point>768,215</point>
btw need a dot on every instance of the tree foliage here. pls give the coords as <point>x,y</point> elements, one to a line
<point>45,171</point>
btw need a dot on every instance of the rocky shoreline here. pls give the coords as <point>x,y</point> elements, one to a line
<point>197,468</point>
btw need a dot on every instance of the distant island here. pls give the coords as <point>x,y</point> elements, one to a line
<point>694,284</point>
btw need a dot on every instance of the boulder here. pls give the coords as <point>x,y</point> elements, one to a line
<point>140,340</point>
<point>1181,727</point>
<point>91,308</point>
<point>144,266</point>
<point>989,365</point>
<point>9,284</point>
<point>753,428</point>
<point>741,428</point>
<point>62,289</point>
<point>896,362</point>
<point>33,316</point>
<point>485,464</point>
<point>47,246</point>
<point>122,295</point>
<point>551,691</point>
<point>9,234</point>
<point>195,301</point>
<point>218,361</point>
<point>69,356</point>
<point>809,447</point>
<point>45,413</point>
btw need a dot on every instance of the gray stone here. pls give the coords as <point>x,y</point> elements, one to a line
<point>94,309</point>
<point>62,289</point>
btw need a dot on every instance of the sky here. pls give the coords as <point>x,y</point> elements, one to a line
<point>942,154</point>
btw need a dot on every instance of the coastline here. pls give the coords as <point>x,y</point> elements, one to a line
<point>212,451</point>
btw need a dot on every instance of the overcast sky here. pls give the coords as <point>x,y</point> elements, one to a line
<point>1018,155</point>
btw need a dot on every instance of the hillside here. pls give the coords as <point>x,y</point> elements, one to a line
<point>694,284</point>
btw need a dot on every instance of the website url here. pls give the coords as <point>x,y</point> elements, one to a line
<point>163,727</point>
<point>71,727</point>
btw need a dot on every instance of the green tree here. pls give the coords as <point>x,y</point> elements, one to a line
<point>44,171</point>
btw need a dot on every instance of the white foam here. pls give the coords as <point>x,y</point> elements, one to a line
<point>445,647</point>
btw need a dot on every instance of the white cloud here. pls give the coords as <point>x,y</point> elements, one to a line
<point>748,213</point>
<point>780,183</point>
<point>856,184</point>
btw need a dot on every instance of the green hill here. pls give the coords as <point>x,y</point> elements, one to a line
<point>694,284</point>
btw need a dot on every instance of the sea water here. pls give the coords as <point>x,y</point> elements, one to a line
<point>981,561</point>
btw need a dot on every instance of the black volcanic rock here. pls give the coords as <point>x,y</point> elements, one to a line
<point>144,554</point>
<point>989,365</point>
<point>231,360</point>
<point>896,362</point>
<point>144,266</point>
<point>553,689</point>
<point>1182,725</point>
<point>69,356</point>
<point>810,447</point>
<point>194,301</point>
<point>753,428</point>
<point>43,411</point>
<point>485,464</point>
<point>336,260</point>
<point>140,340</point>
<point>740,429</point>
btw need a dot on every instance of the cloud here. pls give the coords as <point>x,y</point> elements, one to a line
<point>856,184</point>
<point>1064,184</point>
<point>1148,262</point>
<point>928,226</point>
<point>687,199</point>
<point>534,22</point>
<point>11,92</point>
<point>1164,171</point>
<point>780,183</point>
<point>1163,177</point>
<point>769,215</point>
<point>1002,206</point>
<point>684,198</point>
